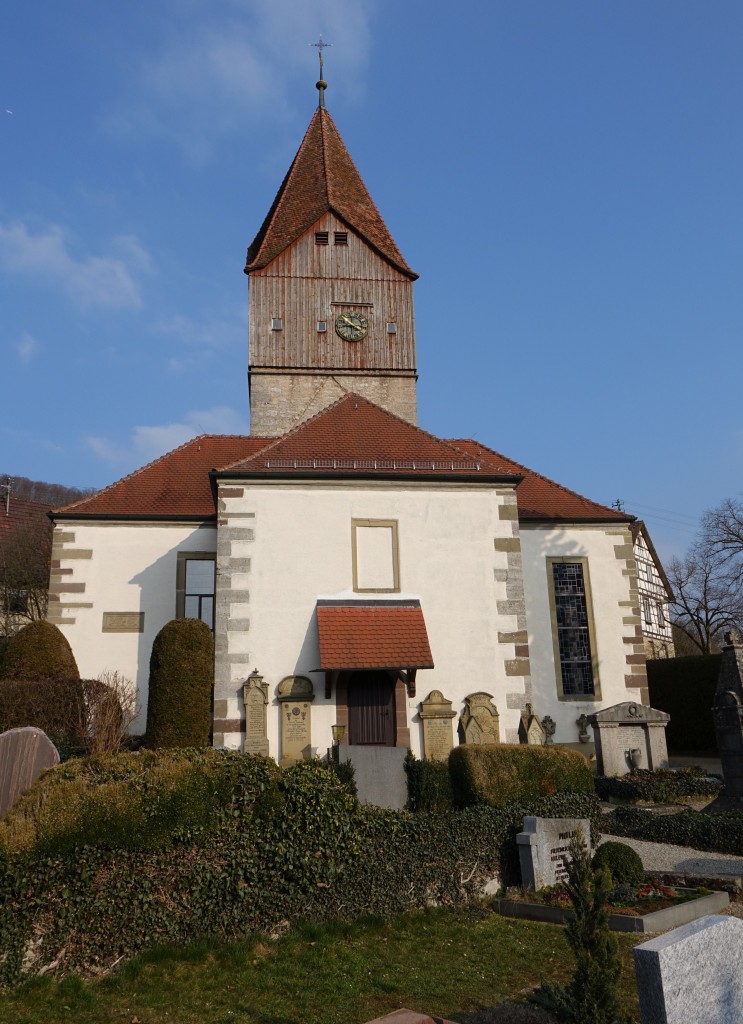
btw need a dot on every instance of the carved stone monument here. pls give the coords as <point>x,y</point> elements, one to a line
<point>530,728</point>
<point>727,714</point>
<point>255,696</point>
<point>480,720</point>
<point>628,736</point>
<point>24,754</point>
<point>436,715</point>
<point>543,848</point>
<point>295,696</point>
<point>692,974</point>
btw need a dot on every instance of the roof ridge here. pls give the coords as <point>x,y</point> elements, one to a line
<point>549,480</point>
<point>141,469</point>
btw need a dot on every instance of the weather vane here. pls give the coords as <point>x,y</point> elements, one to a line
<point>322,84</point>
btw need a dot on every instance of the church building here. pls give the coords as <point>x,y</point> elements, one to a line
<point>364,578</point>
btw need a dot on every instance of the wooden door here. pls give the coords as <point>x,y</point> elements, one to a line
<point>371,709</point>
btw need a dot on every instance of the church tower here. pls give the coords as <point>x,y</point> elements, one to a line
<point>331,296</point>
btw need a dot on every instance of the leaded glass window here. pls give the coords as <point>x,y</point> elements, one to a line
<point>573,636</point>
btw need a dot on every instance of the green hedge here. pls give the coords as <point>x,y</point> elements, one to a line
<point>429,785</point>
<point>181,683</point>
<point>685,688</point>
<point>39,651</point>
<point>289,844</point>
<point>662,786</point>
<point>721,833</point>
<point>500,773</point>
<point>55,705</point>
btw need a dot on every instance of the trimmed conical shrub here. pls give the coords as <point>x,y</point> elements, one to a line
<point>181,681</point>
<point>39,651</point>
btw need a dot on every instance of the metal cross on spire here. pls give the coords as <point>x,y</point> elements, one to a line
<point>322,84</point>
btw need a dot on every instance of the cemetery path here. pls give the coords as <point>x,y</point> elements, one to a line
<point>682,860</point>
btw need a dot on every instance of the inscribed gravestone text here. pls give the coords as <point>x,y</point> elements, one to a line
<point>255,696</point>
<point>544,848</point>
<point>436,715</point>
<point>295,695</point>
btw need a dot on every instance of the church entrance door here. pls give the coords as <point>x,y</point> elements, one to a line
<point>371,709</point>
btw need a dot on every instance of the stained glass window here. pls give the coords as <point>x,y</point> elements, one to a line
<point>573,636</point>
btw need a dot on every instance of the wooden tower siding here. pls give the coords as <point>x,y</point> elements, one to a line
<point>306,282</point>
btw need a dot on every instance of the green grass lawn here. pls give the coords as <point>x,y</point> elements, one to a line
<point>446,962</point>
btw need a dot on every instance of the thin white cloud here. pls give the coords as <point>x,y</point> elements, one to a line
<point>27,347</point>
<point>218,333</point>
<point>224,66</point>
<point>108,281</point>
<point>149,442</point>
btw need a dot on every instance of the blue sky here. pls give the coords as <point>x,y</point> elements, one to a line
<point>565,176</point>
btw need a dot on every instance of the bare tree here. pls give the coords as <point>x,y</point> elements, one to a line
<point>722,529</point>
<point>709,595</point>
<point>25,558</point>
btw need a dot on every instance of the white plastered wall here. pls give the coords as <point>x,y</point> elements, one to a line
<point>612,601</point>
<point>302,551</point>
<point>131,567</point>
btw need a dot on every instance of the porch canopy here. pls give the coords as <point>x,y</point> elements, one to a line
<point>372,635</point>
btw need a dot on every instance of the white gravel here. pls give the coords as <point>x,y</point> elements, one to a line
<point>682,860</point>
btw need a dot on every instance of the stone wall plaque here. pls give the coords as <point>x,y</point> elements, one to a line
<point>255,696</point>
<point>480,722</point>
<point>436,715</point>
<point>24,754</point>
<point>295,696</point>
<point>692,973</point>
<point>123,622</point>
<point>629,735</point>
<point>543,848</point>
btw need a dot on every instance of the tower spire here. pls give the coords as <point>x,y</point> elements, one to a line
<point>321,84</point>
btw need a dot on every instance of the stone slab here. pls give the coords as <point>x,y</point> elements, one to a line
<point>24,754</point>
<point>380,774</point>
<point>404,1016</point>
<point>692,973</point>
<point>543,848</point>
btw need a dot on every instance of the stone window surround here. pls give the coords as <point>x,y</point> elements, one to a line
<point>386,524</point>
<point>572,697</point>
<point>180,577</point>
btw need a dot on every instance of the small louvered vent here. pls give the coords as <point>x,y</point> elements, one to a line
<point>341,238</point>
<point>321,238</point>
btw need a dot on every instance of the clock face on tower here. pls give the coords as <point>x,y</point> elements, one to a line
<point>351,326</point>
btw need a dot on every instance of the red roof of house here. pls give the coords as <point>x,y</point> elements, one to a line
<point>538,497</point>
<point>361,636</point>
<point>176,484</point>
<point>356,437</point>
<point>322,177</point>
<point>19,513</point>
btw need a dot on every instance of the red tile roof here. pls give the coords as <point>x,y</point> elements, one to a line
<point>358,438</point>
<point>322,177</point>
<point>360,636</point>
<point>353,437</point>
<point>538,497</point>
<point>20,513</point>
<point>176,484</point>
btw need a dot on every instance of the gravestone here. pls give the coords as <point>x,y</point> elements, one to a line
<point>727,713</point>
<point>436,715</point>
<point>692,974</point>
<point>295,696</point>
<point>24,754</point>
<point>480,720</point>
<point>530,728</point>
<point>628,736</point>
<point>255,696</point>
<point>543,848</point>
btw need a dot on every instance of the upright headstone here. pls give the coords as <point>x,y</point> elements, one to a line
<point>727,713</point>
<point>628,736</point>
<point>692,974</point>
<point>544,848</point>
<point>530,728</point>
<point>479,722</point>
<point>295,696</point>
<point>436,715</point>
<point>255,696</point>
<point>24,754</point>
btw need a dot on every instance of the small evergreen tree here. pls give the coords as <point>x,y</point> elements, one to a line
<point>181,681</point>
<point>591,997</point>
<point>39,651</point>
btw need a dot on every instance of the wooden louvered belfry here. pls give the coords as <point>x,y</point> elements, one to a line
<point>324,256</point>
